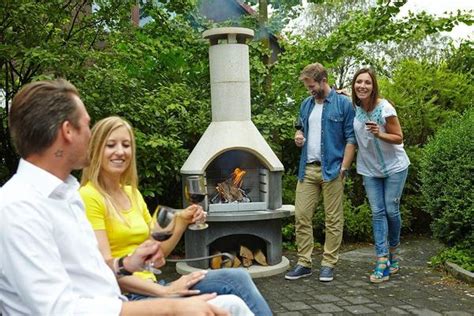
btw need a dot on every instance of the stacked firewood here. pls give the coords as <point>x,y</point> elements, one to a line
<point>244,258</point>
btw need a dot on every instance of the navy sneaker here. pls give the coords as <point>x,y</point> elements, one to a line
<point>326,274</point>
<point>298,272</point>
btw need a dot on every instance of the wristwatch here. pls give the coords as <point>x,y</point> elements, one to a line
<point>121,268</point>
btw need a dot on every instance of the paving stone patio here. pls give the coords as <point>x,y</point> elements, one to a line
<point>417,290</point>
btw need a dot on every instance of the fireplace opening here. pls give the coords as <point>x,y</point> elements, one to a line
<point>252,186</point>
<point>231,190</point>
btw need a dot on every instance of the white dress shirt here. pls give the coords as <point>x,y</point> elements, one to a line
<point>49,258</point>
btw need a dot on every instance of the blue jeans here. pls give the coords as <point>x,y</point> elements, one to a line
<point>237,282</point>
<point>227,281</point>
<point>384,196</point>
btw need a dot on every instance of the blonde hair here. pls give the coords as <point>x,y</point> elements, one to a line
<point>93,173</point>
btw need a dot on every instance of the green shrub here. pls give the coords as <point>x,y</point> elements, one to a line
<point>288,196</point>
<point>414,217</point>
<point>458,255</point>
<point>424,102</point>
<point>447,169</point>
<point>357,222</point>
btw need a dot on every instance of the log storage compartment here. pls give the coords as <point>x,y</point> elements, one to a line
<point>260,225</point>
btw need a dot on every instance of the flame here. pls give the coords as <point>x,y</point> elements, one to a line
<point>237,177</point>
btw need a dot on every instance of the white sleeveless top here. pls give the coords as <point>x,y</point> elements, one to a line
<point>375,157</point>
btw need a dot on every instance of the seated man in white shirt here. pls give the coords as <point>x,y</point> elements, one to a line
<point>49,262</point>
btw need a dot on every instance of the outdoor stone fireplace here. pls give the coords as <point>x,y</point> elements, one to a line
<point>233,144</point>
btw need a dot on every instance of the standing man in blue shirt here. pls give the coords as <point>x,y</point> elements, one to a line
<point>328,148</point>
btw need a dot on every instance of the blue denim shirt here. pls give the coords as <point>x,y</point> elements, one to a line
<point>336,131</point>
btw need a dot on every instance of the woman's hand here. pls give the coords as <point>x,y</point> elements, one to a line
<point>181,287</point>
<point>192,213</point>
<point>373,128</point>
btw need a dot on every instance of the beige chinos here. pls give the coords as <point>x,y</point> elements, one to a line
<point>308,194</point>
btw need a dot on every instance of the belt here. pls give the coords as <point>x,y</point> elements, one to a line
<point>317,163</point>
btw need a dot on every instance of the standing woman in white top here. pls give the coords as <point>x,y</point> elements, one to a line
<point>383,164</point>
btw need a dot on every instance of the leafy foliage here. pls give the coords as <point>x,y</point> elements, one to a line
<point>161,88</point>
<point>446,174</point>
<point>156,76</point>
<point>463,257</point>
<point>45,40</point>
<point>424,102</point>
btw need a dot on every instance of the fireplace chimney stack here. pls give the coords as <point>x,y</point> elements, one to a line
<point>230,76</point>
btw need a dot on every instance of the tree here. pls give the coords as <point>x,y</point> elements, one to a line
<point>352,33</point>
<point>156,76</point>
<point>282,11</point>
<point>47,39</point>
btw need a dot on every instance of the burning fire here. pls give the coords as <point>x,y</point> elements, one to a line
<point>231,190</point>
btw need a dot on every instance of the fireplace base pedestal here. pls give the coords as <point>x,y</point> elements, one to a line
<point>264,225</point>
<point>255,271</point>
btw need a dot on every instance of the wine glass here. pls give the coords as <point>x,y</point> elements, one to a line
<point>161,230</point>
<point>195,192</point>
<point>368,124</point>
<point>298,123</point>
<point>164,223</point>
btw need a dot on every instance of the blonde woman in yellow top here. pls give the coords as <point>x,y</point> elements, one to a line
<point>121,221</point>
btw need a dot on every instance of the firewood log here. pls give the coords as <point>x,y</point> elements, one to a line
<point>246,262</point>
<point>247,256</point>
<point>216,262</point>
<point>246,253</point>
<point>237,263</point>
<point>260,257</point>
<point>227,264</point>
<point>229,192</point>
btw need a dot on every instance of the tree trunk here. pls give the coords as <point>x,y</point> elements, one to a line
<point>265,38</point>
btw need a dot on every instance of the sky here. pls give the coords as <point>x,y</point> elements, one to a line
<point>439,7</point>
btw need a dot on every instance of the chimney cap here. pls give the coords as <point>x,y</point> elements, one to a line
<point>239,33</point>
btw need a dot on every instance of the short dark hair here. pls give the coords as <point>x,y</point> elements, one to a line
<point>37,112</point>
<point>374,96</point>
<point>314,71</point>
